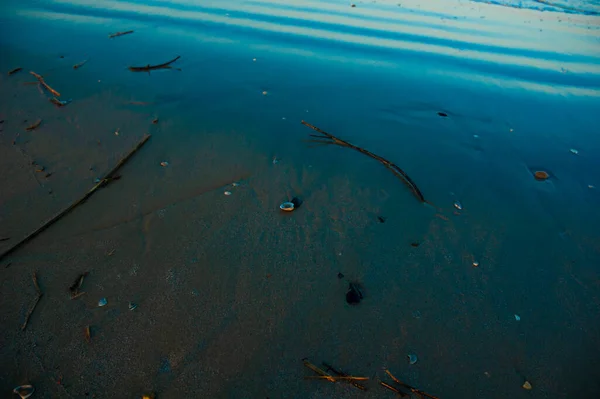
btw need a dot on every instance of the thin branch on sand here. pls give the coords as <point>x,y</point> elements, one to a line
<point>152,67</point>
<point>327,138</point>
<point>108,177</point>
<point>34,125</point>
<point>127,32</point>
<point>38,296</point>
<point>77,66</point>
<point>13,71</point>
<point>40,78</point>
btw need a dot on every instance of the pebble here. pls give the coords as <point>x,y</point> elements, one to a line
<point>527,385</point>
<point>458,205</point>
<point>475,264</point>
<point>102,302</point>
<point>164,163</point>
<point>517,317</point>
<point>412,359</point>
<point>264,93</point>
<point>574,151</point>
<point>227,193</point>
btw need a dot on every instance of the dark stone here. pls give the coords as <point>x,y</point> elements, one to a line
<point>442,114</point>
<point>415,244</point>
<point>297,202</point>
<point>340,275</point>
<point>381,219</point>
<point>353,296</point>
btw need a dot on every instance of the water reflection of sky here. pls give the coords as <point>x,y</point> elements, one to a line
<point>563,52</point>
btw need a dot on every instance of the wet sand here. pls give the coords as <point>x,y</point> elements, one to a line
<point>231,292</point>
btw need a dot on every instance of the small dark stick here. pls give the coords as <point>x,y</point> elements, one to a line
<point>15,71</point>
<point>38,296</point>
<point>127,32</point>
<point>77,66</point>
<point>152,67</point>
<point>106,179</point>
<point>34,126</point>
<point>331,139</point>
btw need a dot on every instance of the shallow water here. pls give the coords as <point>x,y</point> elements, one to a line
<point>232,293</point>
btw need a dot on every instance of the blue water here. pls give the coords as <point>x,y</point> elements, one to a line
<point>520,83</point>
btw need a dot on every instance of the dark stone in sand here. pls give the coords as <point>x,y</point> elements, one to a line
<point>381,219</point>
<point>297,202</point>
<point>442,114</point>
<point>415,244</point>
<point>340,275</point>
<point>353,296</point>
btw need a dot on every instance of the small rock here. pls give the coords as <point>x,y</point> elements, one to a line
<point>354,295</point>
<point>264,93</point>
<point>442,114</point>
<point>164,164</point>
<point>574,151</point>
<point>458,205</point>
<point>102,302</point>
<point>475,264</point>
<point>227,193</point>
<point>527,385</point>
<point>132,306</point>
<point>381,219</point>
<point>517,317</point>
<point>340,275</point>
<point>412,358</point>
<point>414,244</point>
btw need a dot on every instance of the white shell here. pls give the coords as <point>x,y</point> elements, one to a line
<point>102,302</point>
<point>227,193</point>
<point>24,391</point>
<point>287,206</point>
<point>412,358</point>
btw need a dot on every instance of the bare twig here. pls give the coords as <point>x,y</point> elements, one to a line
<point>105,180</point>
<point>43,83</point>
<point>317,370</point>
<point>120,34</point>
<point>74,288</point>
<point>77,66</point>
<point>331,139</point>
<point>152,67</point>
<point>13,71</point>
<point>402,384</point>
<point>34,125</point>
<point>38,296</point>
<point>340,374</point>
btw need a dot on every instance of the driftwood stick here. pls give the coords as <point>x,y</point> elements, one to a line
<point>317,370</point>
<point>13,71</point>
<point>77,66</point>
<point>391,166</point>
<point>38,296</point>
<point>43,83</point>
<point>404,385</point>
<point>105,180</point>
<point>34,126</point>
<point>120,34</point>
<point>341,375</point>
<point>151,67</point>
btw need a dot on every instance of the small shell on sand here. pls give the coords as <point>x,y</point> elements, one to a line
<point>541,175</point>
<point>527,385</point>
<point>24,391</point>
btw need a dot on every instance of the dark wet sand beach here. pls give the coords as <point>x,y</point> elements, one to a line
<point>232,293</point>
